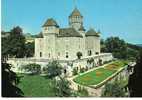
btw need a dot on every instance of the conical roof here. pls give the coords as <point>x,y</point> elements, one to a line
<point>75,13</point>
<point>91,32</point>
<point>50,22</point>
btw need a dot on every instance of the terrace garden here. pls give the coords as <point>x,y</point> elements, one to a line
<point>98,75</point>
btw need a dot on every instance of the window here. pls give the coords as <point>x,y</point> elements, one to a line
<point>40,54</point>
<point>67,56</point>
<point>89,52</point>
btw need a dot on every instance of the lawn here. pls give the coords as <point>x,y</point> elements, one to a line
<point>36,86</point>
<point>96,76</point>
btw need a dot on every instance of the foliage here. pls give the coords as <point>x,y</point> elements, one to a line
<point>119,48</point>
<point>40,35</point>
<point>82,91</point>
<point>9,82</point>
<point>113,90</point>
<point>75,71</point>
<point>116,46</point>
<point>132,53</point>
<point>82,70</point>
<point>79,55</point>
<point>91,60</point>
<point>13,45</point>
<point>62,88</point>
<point>33,68</point>
<point>54,69</point>
<point>4,45</point>
<point>29,49</point>
<point>135,47</point>
<point>135,80</point>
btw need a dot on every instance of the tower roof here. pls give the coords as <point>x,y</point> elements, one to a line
<point>91,32</point>
<point>50,22</point>
<point>75,12</point>
<point>68,32</point>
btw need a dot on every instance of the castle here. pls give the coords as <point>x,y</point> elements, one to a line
<point>65,43</point>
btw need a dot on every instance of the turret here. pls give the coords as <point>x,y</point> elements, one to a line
<point>75,19</point>
<point>92,42</point>
<point>50,27</point>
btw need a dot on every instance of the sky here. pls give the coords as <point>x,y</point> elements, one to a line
<point>121,18</point>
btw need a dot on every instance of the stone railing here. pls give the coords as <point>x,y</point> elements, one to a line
<point>63,60</point>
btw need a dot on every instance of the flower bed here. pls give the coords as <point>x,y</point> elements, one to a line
<point>99,75</point>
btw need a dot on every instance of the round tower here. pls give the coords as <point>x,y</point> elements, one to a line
<point>92,42</point>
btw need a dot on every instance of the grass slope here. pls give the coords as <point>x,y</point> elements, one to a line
<point>36,86</point>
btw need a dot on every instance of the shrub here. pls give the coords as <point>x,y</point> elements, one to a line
<point>91,60</point>
<point>32,68</point>
<point>79,54</point>
<point>53,69</point>
<point>82,91</point>
<point>75,71</point>
<point>113,90</point>
<point>86,69</point>
<point>82,70</point>
<point>62,87</point>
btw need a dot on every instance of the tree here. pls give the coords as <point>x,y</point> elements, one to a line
<point>4,45</point>
<point>117,47</point>
<point>13,45</point>
<point>113,90</point>
<point>132,53</point>
<point>40,35</point>
<point>135,80</point>
<point>61,88</point>
<point>79,54</point>
<point>9,82</point>
<point>54,69</point>
<point>29,49</point>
